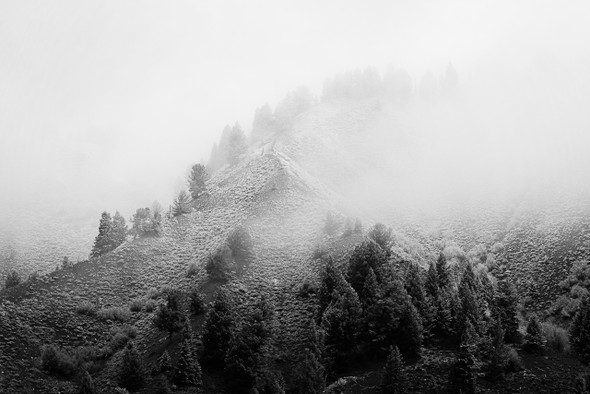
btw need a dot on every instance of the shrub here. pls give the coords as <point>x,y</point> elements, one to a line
<point>13,279</point>
<point>137,305</point>
<point>86,308</point>
<point>150,305</point>
<point>193,269</point>
<point>114,313</point>
<point>557,337</point>
<point>240,243</point>
<point>513,361</point>
<point>57,361</point>
<point>218,264</point>
<point>152,293</point>
<point>307,288</point>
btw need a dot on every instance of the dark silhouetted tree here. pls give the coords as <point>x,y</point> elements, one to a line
<point>443,276</point>
<point>217,328</point>
<point>368,255</point>
<point>409,332</point>
<point>312,374</point>
<point>506,309</point>
<point>245,360</point>
<point>330,279</point>
<point>196,302</point>
<point>196,180</point>
<point>86,384</point>
<point>463,376</point>
<point>534,338</point>
<point>393,373</point>
<point>169,317</point>
<point>580,330</point>
<point>132,373</point>
<point>164,364</point>
<point>188,370</point>
<point>341,321</point>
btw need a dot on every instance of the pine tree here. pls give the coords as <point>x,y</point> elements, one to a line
<point>331,225</point>
<point>169,317</point>
<point>331,279</point>
<point>382,236</point>
<point>442,272</point>
<point>341,321</point>
<point>367,255</point>
<point>161,385</point>
<point>196,180</point>
<point>431,283</point>
<point>188,370</point>
<point>580,330</point>
<point>118,231</point>
<point>370,293</point>
<point>181,204</point>
<point>393,374</point>
<point>498,353</point>
<point>164,364</point>
<point>132,374</point>
<point>86,384</point>
<point>534,334</point>
<point>197,304</point>
<point>312,374</point>
<point>358,226</point>
<point>218,327</point>
<point>505,310</point>
<point>415,287</point>
<point>246,353</point>
<point>409,332</point>
<point>464,371</point>
<point>102,242</point>
<point>237,145</point>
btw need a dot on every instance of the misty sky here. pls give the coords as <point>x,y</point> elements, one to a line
<point>110,101</point>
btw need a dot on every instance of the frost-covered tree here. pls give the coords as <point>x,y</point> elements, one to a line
<point>181,204</point>
<point>264,122</point>
<point>382,236</point>
<point>118,230</point>
<point>237,145</point>
<point>145,223</point>
<point>196,180</point>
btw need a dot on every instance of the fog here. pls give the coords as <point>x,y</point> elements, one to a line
<point>105,105</point>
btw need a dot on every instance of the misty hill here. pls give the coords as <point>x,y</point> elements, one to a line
<point>356,158</point>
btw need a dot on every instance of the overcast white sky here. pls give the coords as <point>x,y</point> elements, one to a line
<point>133,92</point>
